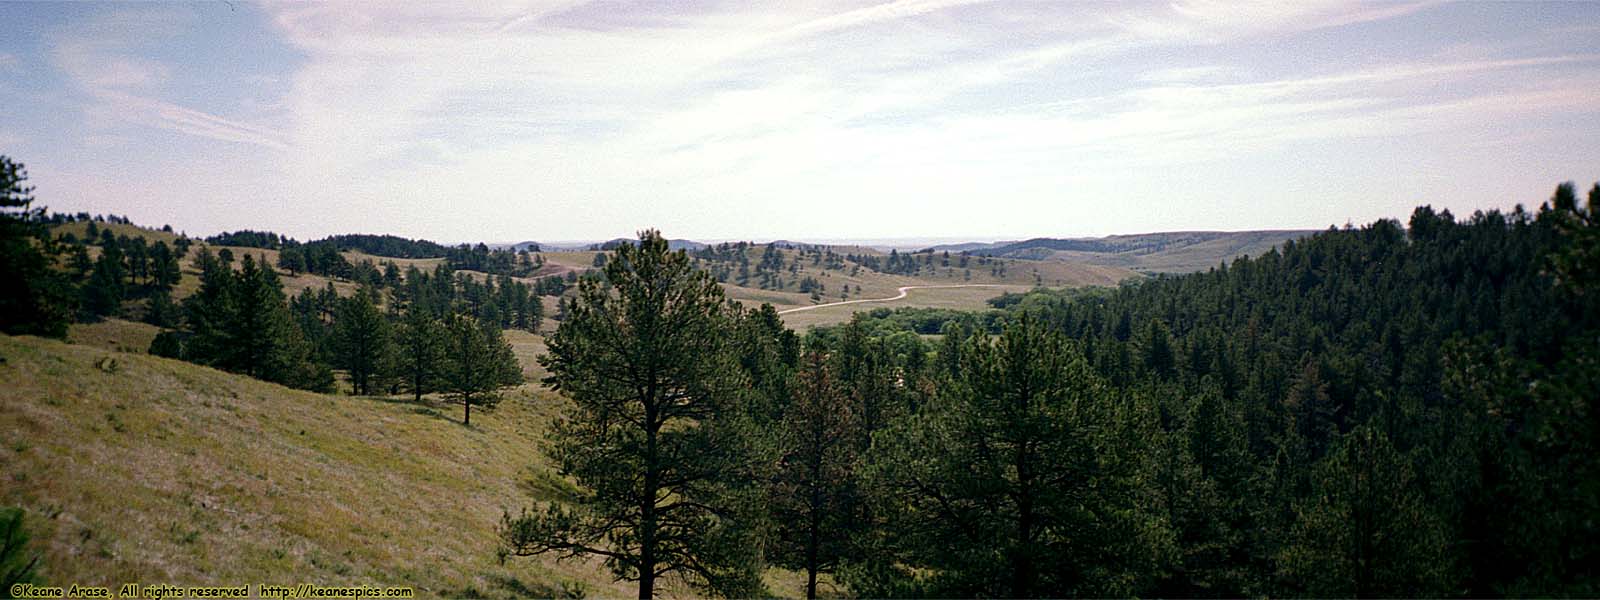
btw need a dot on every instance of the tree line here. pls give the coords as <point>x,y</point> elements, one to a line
<point>438,332</point>
<point>323,257</point>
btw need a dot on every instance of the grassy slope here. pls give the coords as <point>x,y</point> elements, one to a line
<point>156,470</point>
<point>1184,258</point>
<point>81,228</point>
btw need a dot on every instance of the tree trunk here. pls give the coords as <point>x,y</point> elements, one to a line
<point>813,540</point>
<point>811,556</point>
<point>647,509</point>
<point>1023,575</point>
<point>466,404</point>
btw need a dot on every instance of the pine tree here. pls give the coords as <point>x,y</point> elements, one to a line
<point>657,438</point>
<point>421,343</point>
<point>164,267</point>
<point>815,497</point>
<point>1366,531</point>
<point>362,342</point>
<point>240,322</point>
<point>479,363</point>
<point>160,311</point>
<point>265,343</point>
<point>105,290</point>
<point>35,299</point>
<point>209,311</point>
<point>1023,479</point>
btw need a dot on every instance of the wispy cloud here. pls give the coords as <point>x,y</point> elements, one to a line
<point>101,57</point>
<point>194,122</point>
<point>1215,21</point>
<point>591,119</point>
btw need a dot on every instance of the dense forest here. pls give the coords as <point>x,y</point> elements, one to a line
<point>1383,411</point>
<point>1390,410</point>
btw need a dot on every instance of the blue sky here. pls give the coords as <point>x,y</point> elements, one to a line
<point>816,120</point>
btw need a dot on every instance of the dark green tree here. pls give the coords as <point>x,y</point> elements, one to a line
<point>165,272</point>
<point>160,310</point>
<point>657,438</point>
<point>16,566</point>
<point>479,362</point>
<point>362,342</point>
<point>105,290</point>
<point>35,299</point>
<point>815,495</point>
<point>1365,531</point>
<point>421,343</point>
<point>240,322</point>
<point>1025,478</point>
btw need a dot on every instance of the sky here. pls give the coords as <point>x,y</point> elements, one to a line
<point>902,119</point>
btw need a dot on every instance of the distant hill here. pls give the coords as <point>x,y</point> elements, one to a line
<point>972,247</point>
<point>529,246</point>
<point>1164,252</point>
<point>671,244</point>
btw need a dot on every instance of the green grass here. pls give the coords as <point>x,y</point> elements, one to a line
<point>973,298</point>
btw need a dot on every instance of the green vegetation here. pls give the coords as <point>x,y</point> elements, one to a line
<point>35,298</point>
<point>1388,411</point>
<point>17,564</point>
<point>658,439</point>
<point>477,363</point>
<point>1371,412</point>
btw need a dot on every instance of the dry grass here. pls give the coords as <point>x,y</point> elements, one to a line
<point>527,347</point>
<point>114,334</point>
<point>80,228</point>
<point>137,468</point>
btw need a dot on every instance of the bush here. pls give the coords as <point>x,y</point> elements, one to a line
<point>168,344</point>
<point>15,565</point>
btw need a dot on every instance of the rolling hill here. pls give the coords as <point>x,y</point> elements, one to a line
<point>1165,252</point>
<point>783,283</point>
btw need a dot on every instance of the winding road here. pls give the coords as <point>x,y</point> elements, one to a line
<point>904,290</point>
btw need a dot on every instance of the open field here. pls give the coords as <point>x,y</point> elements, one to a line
<point>959,298</point>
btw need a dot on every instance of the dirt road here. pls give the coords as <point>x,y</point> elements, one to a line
<point>904,290</point>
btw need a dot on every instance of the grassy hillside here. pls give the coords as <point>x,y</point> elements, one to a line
<point>1167,252</point>
<point>1188,254</point>
<point>137,468</point>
